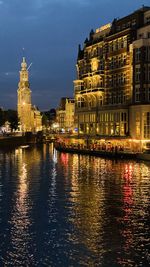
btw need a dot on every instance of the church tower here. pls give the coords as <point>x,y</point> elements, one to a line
<point>24,99</point>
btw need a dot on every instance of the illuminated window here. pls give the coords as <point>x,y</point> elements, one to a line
<point>147,125</point>
<point>100,101</point>
<point>123,116</point>
<point>80,102</point>
<point>125,41</point>
<point>137,125</point>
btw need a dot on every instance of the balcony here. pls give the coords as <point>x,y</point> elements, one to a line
<point>92,90</point>
<point>90,74</point>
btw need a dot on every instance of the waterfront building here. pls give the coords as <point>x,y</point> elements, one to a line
<point>112,89</point>
<point>65,114</point>
<point>29,116</point>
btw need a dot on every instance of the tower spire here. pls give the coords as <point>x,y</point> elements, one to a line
<point>24,64</point>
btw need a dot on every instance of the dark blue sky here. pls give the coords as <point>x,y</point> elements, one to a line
<point>50,31</point>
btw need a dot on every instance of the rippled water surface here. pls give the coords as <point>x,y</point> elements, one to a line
<point>59,209</point>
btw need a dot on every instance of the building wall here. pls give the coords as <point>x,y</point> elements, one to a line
<point>69,116</point>
<point>65,114</point>
<point>140,122</point>
<point>113,74</point>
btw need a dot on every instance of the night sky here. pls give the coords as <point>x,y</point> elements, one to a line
<point>47,33</point>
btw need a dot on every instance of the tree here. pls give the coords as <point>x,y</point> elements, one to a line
<point>45,120</point>
<point>12,117</point>
<point>2,117</point>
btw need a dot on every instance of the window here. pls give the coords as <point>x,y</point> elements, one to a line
<point>119,79</point>
<point>147,125</point>
<point>148,94</point>
<point>147,53</point>
<point>133,22</point>
<point>100,101</point>
<point>124,78</point>
<point>149,73</point>
<point>121,43</point>
<point>137,74</point>
<point>119,61</point>
<point>124,60</point>
<point>125,41</point>
<point>147,20</point>
<point>144,94</point>
<point>137,54</point>
<point>137,124</point>
<point>141,36</point>
<point>80,102</point>
<point>110,47</point>
<point>123,116</point>
<point>118,28</point>
<point>137,94</point>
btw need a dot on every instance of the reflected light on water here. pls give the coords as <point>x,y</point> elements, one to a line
<point>20,219</point>
<point>60,209</point>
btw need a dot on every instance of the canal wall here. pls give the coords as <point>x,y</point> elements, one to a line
<point>13,141</point>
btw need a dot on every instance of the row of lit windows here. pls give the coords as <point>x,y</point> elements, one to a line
<point>117,79</point>
<point>104,128</point>
<point>93,83</point>
<point>80,103</point>
<point>116,116</point>
<point>115,98</point>
<point>104,117</point>
<point>117,61</point>
<point>87,68</point>
<point>95,52</point>
<point>117,44</point>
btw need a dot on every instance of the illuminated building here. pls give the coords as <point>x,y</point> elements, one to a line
<point>65,114</point>
<point>29,116</point>
<point>112,89</point>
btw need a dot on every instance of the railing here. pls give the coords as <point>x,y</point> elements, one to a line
<point>92,90</point>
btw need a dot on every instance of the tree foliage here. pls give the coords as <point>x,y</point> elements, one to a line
<point>10,116</point>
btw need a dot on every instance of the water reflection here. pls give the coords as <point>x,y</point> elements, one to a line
<point>19,249</point>
<point>65,210</point>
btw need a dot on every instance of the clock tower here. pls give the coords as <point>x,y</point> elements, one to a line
<point>24,99</point>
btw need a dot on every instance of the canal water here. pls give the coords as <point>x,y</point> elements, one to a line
<point>67,210</point>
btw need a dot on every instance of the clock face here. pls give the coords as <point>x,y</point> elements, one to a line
<point>94,64</point>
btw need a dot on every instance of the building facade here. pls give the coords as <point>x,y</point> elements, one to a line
<point>29,116</point>
<point>112,89</point>
<point>65,114</point>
